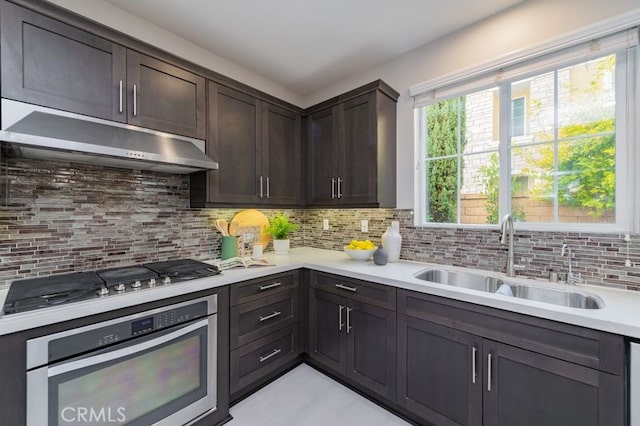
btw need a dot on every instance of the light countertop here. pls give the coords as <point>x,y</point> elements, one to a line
<point>619,315</point>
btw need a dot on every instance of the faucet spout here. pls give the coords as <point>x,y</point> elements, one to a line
<point>507,233</point>
<point>571,279</point>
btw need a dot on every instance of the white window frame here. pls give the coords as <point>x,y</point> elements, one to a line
<point>627,80</point>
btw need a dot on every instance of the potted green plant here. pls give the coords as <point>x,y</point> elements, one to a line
<point>280,228</point>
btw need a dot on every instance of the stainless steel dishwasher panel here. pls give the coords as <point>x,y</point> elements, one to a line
<point>634,380</point>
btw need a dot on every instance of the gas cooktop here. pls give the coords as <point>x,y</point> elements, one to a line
<point>37,293</point>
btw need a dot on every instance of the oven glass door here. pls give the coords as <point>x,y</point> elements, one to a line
<point>158,378</point>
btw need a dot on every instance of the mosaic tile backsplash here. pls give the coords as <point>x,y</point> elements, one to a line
<point>60,217</point>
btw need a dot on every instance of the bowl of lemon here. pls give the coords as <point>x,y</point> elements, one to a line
<point>360,250</point>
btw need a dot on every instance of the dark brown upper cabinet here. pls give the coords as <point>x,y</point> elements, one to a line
<point>164,97</point>
<point>257,145</point>
<point>52,64</point>
<point>352,149</point>
<point>48,63</point>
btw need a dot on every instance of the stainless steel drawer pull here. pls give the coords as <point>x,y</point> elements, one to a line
<point>261,192</point>
<point>333,188</point>
<point>340,324</point>
<point>120,100</point>
<point>346,287</point>
<point>272,354</point>
<point>135,100</point>
<point>268,190</point>
<point>339,187</point>
<point>267,287</point>
<point>273,315</point>
<point>349,320</point>
<point>474,372</point>
<point>489,372</point>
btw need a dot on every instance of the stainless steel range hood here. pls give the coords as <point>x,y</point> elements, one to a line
<point>37,132</point>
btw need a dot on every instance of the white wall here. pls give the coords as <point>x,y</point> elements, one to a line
<point>526,25</point>
<point>114,17</point>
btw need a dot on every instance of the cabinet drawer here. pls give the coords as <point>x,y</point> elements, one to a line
<point>364,291</point>
<point>250,321</point>
<point>249,291</point>
<point>571,343</point>
<point>255,360</point>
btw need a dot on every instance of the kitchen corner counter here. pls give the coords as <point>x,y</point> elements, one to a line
<point>619,315</point>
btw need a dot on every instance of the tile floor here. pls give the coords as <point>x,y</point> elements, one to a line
<point>305,397</point>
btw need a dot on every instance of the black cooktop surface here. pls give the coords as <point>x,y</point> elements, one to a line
<point>36,293</point>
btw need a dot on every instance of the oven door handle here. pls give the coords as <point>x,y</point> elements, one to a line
<point>129,350</point>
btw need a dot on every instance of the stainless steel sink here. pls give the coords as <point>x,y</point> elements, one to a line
<point>479,282</point>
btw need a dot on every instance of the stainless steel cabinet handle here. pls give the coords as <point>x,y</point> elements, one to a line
<point>474,372</point>
<point>340,324</point>
<point>267,287</point>
<point>120,101</point>
<point>333,188</point>
<point>268,190</point>
<point>339,187</point>
<point>345,287</point>
<point>272,354</point>
<point>489,372</point>
<point>135,100</point>
<point>261,193</point>
<point>273,315</point>
<point>349,320</point>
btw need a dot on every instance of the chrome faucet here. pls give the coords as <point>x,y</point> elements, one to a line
<point>571,279</point>
<point>507,232</point>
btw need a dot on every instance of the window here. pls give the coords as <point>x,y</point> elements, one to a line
<point>461,138</point>
<point>548,145</point>
<point>517,117</point>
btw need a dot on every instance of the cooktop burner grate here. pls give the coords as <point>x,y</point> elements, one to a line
<point>36,293</point>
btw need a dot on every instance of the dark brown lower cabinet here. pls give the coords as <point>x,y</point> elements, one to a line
<point>328,342</point>
<point>257,359</point>
<point>264,330</point>
<point>439,372</point>
<point>450,377</point>
<point>528,389</point>
<point>354,339</point>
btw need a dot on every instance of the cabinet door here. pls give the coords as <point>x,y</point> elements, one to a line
<point>528,389</point>
<point>165,97</point>
<point>252,320</point>
<point>357,158</point>
<point>323,156</point>
<point>371,347</point>
<point>234,142</point>
<point>281,155</point>
<point>327,330</point>
<point>436,367</point>
<point>256,360</point>
<point>48,63</point>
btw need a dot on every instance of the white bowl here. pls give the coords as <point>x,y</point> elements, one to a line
<point>359,254</point>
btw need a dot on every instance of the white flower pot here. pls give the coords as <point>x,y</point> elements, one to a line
<point>281,246</point>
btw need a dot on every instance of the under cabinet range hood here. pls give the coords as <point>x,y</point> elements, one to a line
<point>43,133</point>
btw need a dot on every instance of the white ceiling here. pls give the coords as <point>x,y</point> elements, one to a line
<point>306,45</point>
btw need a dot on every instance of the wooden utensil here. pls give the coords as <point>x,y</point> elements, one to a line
<point>222,226</point>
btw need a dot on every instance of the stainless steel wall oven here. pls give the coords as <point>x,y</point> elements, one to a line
<point>152,368</point>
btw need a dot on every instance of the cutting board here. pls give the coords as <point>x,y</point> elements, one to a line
<point>249,220</point>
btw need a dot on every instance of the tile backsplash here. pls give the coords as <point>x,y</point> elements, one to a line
<point>61,217</point>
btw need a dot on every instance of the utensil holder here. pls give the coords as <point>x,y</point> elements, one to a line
<point>229,247</point>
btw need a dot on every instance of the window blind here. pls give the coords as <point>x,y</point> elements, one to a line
<point>519,67</point>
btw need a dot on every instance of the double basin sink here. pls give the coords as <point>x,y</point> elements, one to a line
<point>474,281</point>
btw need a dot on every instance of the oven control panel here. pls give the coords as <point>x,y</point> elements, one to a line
<point>116,331</point>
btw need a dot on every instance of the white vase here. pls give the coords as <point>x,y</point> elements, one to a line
<point>281,246</point>
<point>392,241</point>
